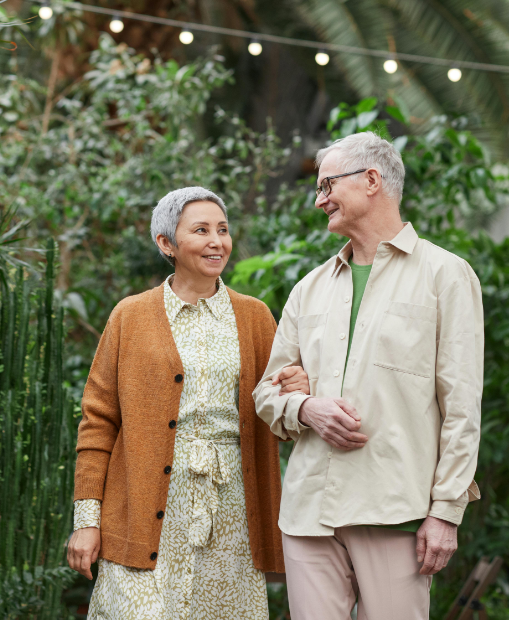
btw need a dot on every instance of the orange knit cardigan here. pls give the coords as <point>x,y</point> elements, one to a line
<point>130,416</point>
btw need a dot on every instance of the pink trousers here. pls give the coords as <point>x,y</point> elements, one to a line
<point>326,574</point>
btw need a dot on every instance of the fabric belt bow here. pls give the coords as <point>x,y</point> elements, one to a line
<point>207,463</point>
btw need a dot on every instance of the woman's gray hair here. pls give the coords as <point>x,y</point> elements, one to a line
<point>166,215</point>
<point>367,150</point>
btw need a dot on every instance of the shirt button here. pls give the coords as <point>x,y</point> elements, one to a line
<point>457,510</point>
<point>153,556</point>
<point>336,373</point>
<point>347,299</point>
<point>167,469</point>
<point>172,424</point>
<point>179,378</point>
<point>342,336</point>
<point>160,514</point>
<point>329,455</point>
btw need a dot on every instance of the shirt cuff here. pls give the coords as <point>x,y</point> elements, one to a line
<point>451,511</point>
<point>291,413</point>
<point>87,513</point>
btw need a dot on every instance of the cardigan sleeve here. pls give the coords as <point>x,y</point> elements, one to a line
<point>101,420</point>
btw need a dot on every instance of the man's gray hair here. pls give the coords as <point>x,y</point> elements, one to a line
<point>367,150</point>
<point>166,215</point>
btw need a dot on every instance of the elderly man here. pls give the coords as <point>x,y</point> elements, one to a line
<point>390,333</point>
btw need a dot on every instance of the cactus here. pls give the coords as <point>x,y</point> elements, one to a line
<point>37,437</point>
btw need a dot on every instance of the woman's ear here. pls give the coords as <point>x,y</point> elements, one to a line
<point>164,245</point>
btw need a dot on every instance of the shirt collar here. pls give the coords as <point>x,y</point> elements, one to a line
<point>217,304</point>
<point>405,241</point>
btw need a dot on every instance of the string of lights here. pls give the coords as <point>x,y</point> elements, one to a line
<point>391,59</point>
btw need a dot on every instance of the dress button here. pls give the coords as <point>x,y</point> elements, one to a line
<point>347,299</point>
<point>336,373</point>
<point>167,469</point>
<point>160,514</point>
<point>342,336</point>
<point>179,378</point>
<point>172,424</point>
<point>153,556</point>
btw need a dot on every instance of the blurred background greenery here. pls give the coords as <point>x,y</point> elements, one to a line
<point>96,127</point>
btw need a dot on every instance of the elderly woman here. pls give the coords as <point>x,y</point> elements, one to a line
<point>177,480</point>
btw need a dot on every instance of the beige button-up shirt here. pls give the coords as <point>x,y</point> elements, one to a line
<point>415,376</point>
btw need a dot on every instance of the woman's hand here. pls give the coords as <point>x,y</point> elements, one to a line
<point>83,550</point>
<point>292,378</point>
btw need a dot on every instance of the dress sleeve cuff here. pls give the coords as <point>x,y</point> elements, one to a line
<point>451,511</point>
<point>291,413</point>
<point>87,513</point>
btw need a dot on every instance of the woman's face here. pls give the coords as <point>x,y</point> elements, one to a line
<point>203,237</point>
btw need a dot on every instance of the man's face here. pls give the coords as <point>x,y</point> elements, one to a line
<point>347,201</point>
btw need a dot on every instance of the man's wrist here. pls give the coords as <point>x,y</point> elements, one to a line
<point>302,415</point>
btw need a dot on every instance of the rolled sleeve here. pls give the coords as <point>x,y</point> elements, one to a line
<point>291,413</point>
<point>459,381</point>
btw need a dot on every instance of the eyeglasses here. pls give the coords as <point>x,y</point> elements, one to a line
<point>325,185</point>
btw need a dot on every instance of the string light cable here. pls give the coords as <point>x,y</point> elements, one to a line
<point>320,47</point>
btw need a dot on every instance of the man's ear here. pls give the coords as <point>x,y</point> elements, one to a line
<point>374,181</point>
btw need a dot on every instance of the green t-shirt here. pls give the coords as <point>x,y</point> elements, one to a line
<point>360,275</point>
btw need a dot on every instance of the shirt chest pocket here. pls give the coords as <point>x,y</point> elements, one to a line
<point>311,328</point>
<point>407,339</point>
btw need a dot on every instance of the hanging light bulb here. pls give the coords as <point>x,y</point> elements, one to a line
<point>45,12</point>
<point>390,66</point>
<point>454,74</point>
<point>116,25</point>
<point>255,48</point>
<point>186,37</point>
<point>322,58</point>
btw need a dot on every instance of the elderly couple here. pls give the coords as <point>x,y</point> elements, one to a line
<point>375,371</point>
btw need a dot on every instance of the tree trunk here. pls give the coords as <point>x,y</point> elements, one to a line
<point>51,91</point>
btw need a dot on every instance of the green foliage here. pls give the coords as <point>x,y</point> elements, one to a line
<point>118,140</point>
<point>446,29</point>
<point>449,182</point>
<point>37,426</point>
<point>26,595</point>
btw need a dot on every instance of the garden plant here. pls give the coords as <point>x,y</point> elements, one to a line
<point>87,168</point>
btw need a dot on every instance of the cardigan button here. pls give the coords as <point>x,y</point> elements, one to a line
<point>167,469</point>
<point>160,514</point>
<point>153,556</point>
<point>179,378</point>
<point>172,424</point>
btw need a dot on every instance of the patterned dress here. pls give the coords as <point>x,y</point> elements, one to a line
<point>204,569</point>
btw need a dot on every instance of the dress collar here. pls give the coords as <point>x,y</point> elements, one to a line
<point>217,304</point>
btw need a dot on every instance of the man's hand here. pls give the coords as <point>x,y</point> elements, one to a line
<point>292,378</point>
<point>83,550</point>
<point>437,541</point>
<point>335,421</point>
